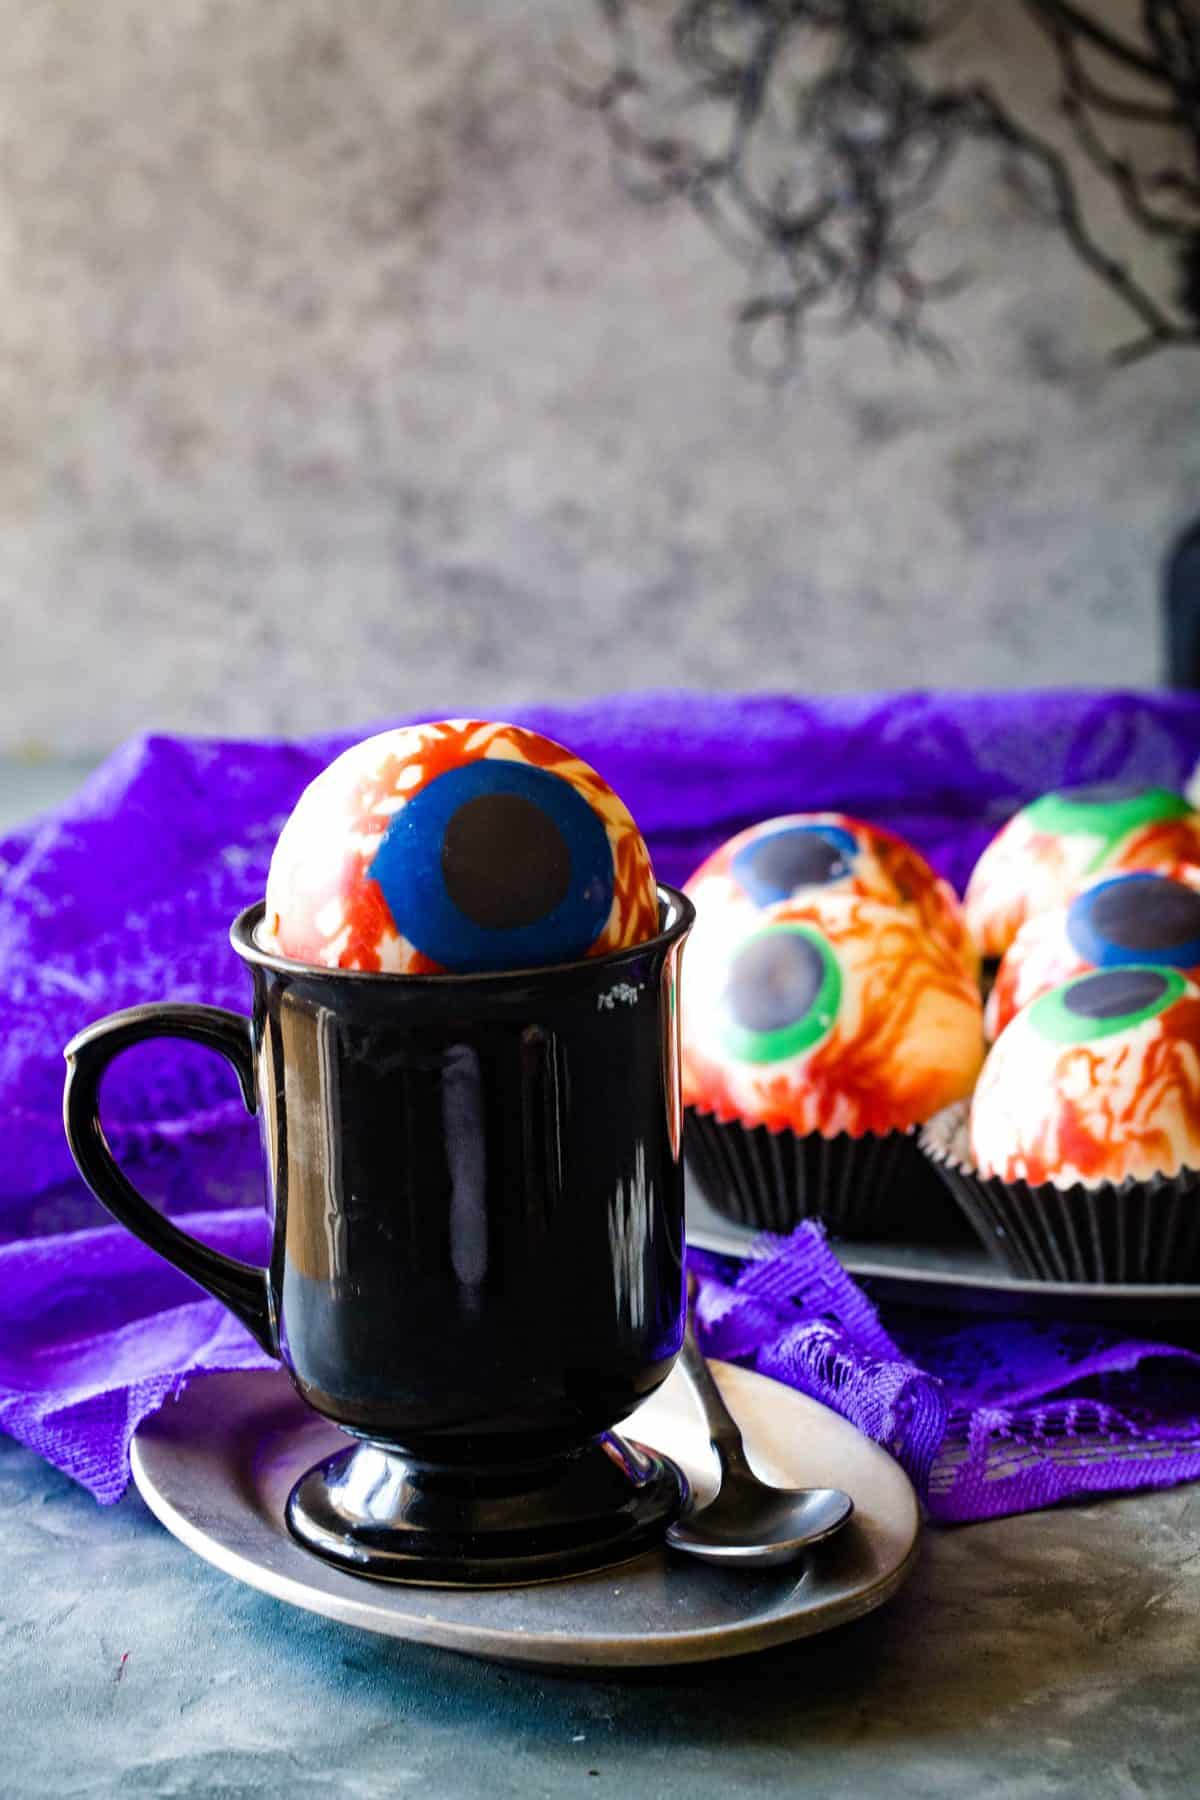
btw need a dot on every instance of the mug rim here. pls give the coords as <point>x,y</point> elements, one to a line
<point>681,916</point>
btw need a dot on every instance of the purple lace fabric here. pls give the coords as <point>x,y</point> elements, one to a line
<point>992,1417</point>
<point>126,894</point>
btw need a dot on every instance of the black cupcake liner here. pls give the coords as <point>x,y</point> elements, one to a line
<point>1128,1232</point>
<point>875,1186</point>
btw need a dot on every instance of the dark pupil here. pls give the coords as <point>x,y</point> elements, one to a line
<point>1147,915</point>
<point>773,981</point>
<point>777,866</point>
<point>1114,993</point>
<point>504,861</point>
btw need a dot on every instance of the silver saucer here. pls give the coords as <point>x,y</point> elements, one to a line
<point>216,1467</point>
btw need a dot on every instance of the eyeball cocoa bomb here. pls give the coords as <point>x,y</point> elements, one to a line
<point>1048,849</point>
<point>1098,1081</point>
<point>829,1014</point>
<point>458,846</point>
<point>785,858</point>
<point>1116,920</point>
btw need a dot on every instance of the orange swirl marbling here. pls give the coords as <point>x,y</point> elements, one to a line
<point>1039,958</point>
<point>1042,956</point>
<point>886,868</point>
<point>324,908</point>
<point>1109,1109</point>
<point>907,1038</point>
<point>1023,871</point>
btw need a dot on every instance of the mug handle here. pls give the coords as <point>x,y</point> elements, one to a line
<point>242,1287</point>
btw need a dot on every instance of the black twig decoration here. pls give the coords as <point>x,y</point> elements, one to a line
<point>807,136</point>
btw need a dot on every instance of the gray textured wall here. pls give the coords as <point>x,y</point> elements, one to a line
<point>337,376</point>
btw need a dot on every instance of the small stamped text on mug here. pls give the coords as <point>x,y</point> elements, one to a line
<point>624,993</point>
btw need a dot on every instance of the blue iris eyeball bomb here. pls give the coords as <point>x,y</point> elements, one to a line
<point>1115,920</point>
<point>459,846</point>
<point>1051,847</point>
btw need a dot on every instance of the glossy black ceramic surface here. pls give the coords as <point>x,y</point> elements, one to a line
<point>478,1194</point>
<point>378,1513</point>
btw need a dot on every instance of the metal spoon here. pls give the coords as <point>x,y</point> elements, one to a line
<point>749,1523</point>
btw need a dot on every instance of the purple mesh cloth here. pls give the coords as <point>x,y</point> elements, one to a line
<point>96,1332</point>
<point>125,895</point>
<point>988,1418</point>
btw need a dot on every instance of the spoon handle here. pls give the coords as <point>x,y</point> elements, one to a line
<point>722,1427</point>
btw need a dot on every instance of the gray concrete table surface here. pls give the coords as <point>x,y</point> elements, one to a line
<point>1054,1654</point>
<point>1049,1655</point>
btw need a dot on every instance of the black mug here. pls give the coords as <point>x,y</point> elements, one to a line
<point>478,1257</point>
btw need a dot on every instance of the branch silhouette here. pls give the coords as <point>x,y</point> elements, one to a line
<point>808,137</point>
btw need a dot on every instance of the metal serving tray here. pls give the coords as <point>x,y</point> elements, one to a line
<point>963,1278</point>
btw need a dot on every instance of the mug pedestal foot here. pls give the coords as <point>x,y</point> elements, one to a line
<point>376,1512</point>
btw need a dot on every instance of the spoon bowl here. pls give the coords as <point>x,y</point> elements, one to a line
<point>750,1523</point>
